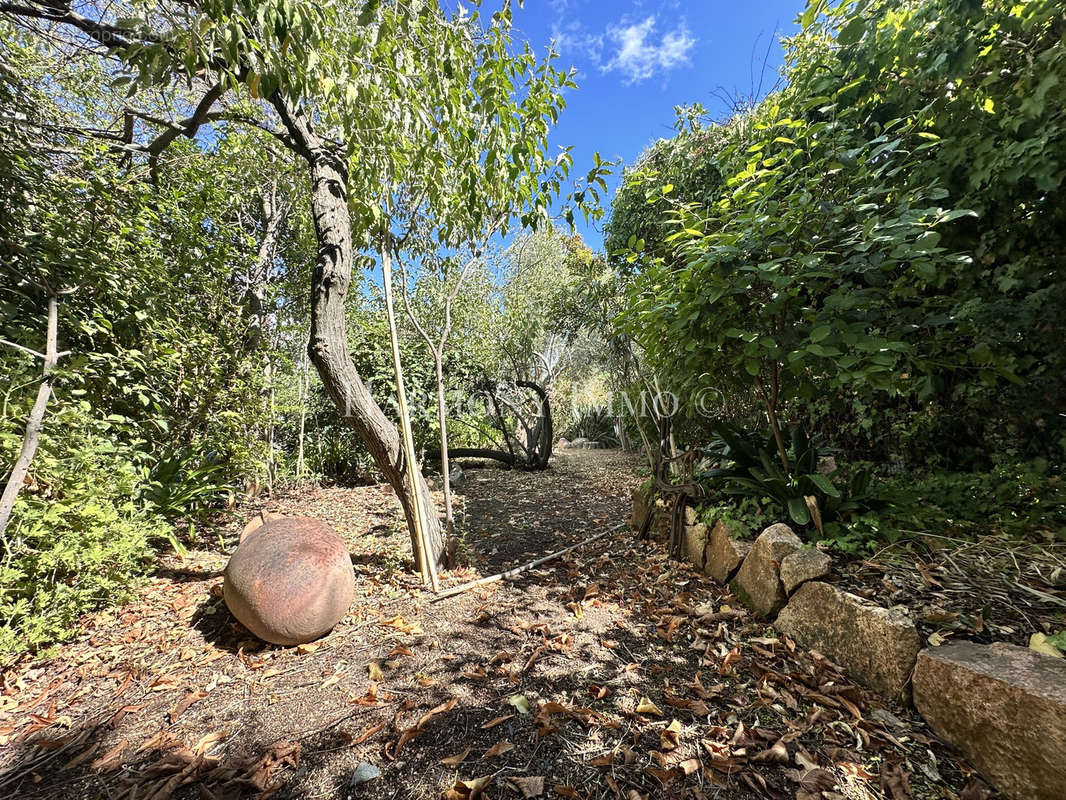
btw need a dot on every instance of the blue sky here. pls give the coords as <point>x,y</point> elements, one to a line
<point>637,59</point>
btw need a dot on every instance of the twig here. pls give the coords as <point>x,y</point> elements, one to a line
<point>516,571</point>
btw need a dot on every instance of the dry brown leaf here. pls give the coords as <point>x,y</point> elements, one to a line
<point>443,707</point>
<point>896,783</point>
<point>689,765</point>
<point>603,761</point>
<point>162,740</point>
<point>368,733</point>
<point>112,759</point>
<point>307,648</point>
<point>400,624</point>
<point>456,760</point>
<point>405,737</point>
<point>529,786</point>
<point>207,740</point>
<point>468,790</point>
<point>670,737</point>
<point>499,748</point>
<point>492,723</point>
<point>646,706</point>
<point>183,705</point>
<point>82,756</point>
<point>778,754</point>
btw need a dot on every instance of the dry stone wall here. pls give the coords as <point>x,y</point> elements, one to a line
<point>1003,707</point>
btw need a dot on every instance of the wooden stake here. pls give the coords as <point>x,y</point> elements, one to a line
<point>425,563</point>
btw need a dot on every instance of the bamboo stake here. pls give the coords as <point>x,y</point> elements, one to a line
<point>425,564</point>
<point>516,571</point>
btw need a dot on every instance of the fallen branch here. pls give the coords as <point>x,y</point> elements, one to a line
<point>472,452</point>
<point>516,571</point>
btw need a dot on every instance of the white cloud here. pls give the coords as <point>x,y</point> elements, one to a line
<point>639,52</point>
<point>570,38</point>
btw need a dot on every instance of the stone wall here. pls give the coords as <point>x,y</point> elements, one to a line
<point>1002,707</point>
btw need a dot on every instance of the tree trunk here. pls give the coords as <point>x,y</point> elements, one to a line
<point>474,452</point>
<point>328,345</point>
<point>442,416</point>
<point>542,447</point>
<point>35,420</point>
<point>255,297</point>
<point>304,390</point>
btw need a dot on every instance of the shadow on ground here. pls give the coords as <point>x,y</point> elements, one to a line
<point>607,673</point>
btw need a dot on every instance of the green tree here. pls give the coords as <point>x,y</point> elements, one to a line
<point>329,82</point>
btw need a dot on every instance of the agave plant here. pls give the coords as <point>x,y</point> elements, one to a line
<point>595,424</point>
<point>748,466</point>
<point>182,483</point>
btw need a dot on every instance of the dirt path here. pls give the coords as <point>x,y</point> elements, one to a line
<point>614,673</point>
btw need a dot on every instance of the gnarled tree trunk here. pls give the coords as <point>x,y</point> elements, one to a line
<point>328,346</point>
<point>537,450</point>
<point>545,430</point>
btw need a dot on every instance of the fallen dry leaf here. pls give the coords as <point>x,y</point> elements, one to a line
<point>670,737</point>
<point>646,706</point>
<point>442,708</point>
<point>183,705</point>
<point>112,759</point>
<point>368,733</point>
<point>499,748</point>
<point>400,624</point>
<point>529,787</point>
<point>468,790</point>
<point>456,760</point>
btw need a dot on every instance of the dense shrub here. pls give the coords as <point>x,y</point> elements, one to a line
<point>80,534</point>
<point>879,258</point>
<point>873,254</point>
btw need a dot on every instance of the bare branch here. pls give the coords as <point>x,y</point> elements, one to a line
<point>33,353</point>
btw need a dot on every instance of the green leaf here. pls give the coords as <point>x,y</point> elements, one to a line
<point>798,511</point>
<point>824,485</point>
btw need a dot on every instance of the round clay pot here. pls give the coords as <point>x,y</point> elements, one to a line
<point>290,581</point>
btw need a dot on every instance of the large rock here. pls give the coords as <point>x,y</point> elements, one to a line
<point>804,565</point>
<point>758,583</point>
<point>724,553</point>
<point>1004,708</point>
<point>877,646</point>
<point>694,544</point>
<point>290,581</point>
<point>641,509</point>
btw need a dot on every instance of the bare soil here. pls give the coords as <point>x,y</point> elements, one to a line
<point>613,672</point>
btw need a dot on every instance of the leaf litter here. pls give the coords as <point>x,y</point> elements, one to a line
<point>612,673</point>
